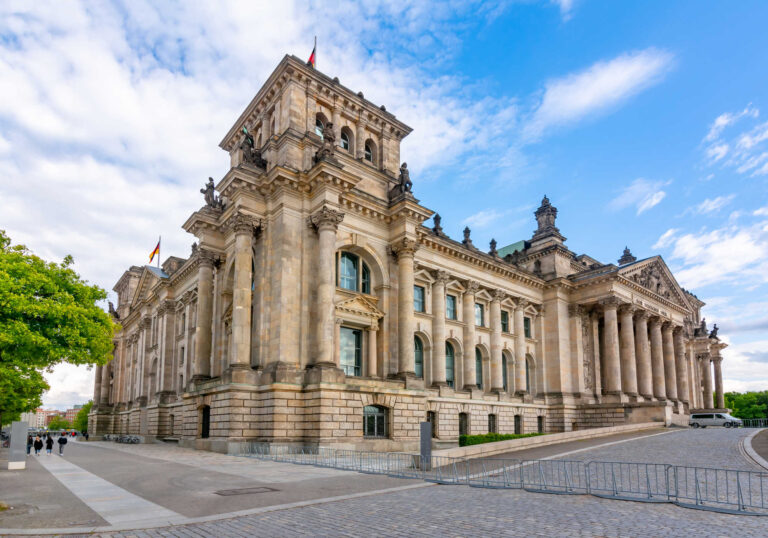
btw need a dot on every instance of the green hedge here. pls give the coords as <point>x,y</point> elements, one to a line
<point>467,440</point>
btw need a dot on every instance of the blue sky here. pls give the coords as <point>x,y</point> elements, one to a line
<point>645,123</point>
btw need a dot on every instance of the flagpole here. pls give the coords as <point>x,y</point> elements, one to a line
<point>159,239</point>
<point>315,49</point>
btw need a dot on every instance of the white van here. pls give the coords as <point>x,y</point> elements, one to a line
<point>714,419</point>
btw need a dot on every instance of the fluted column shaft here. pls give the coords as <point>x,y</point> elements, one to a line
<point>628,359</point>
<point>497,379</point>
<point>104,400</point>
<point>438,328</point>
<point>242,295</point>
<point>612,381</point>
<point>719,382</point>
<point>657,360</point>
<point>202,364</point>
<point>681,365</point>
<point>520,387</point>
<point>470,379</point>
<point>670,373</point>
<point>643,354</point>
<point>706,372</point>
<point>405,250</point>
<point>97,387</point>
<point>325,221</point>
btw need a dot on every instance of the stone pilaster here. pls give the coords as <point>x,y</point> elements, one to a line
<point>717,361</point>
<point>203,329</point>
<point>468,362</point>
<point>627,350</point>
<point>670,374</point>
<point>657,360</point>
<point>373,366</point>
<point>438,328</point>
<point>681,365</point>
<point>643,355</point>
<point>520,388</point>
<point>706,377</point>
<point>612,368</point>
<point>104,398</point>
<point>326,221</point>
<point>404,250</point>
<point>97,387</point>
<point>497,378</point>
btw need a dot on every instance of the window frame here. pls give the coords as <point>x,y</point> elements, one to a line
<point>418,353</point>
<point>504,371</point>
<point>478,367</point>
<point>451,381</point>
<point>357,363</point>
<point>319,126</point>
<point>493,423</point>
<point>451,313</point>
<point>479,309</point>
<point>362,272</point>
<point>368,153</point>
<point>504,321</point>
<point>419,305</point>
<point>380,416</point>
<point>344,138</point>
<point>527,327</point>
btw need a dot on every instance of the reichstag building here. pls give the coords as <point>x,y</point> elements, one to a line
<point>322,304</point>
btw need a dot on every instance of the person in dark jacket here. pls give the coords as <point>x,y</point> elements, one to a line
<point>29,444</point>
<point>62,441</point>
<point>38,444</point>
<point>49,445</point>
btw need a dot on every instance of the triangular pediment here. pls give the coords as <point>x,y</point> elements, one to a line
<point>149,278</point>
<point>359,306</point>
<point>654,275</point>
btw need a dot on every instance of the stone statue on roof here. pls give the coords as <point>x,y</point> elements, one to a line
<point>211,200</point>
<point>250,154</point>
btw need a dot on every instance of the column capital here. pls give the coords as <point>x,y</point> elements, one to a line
<point>642,315</point>
<point>577,310</point>
<point>498,295</point>
<point>627,309</point>
<point>667,326</point>
<point>146,322</point>
<point>655,321</point>
<point>472,287</point>
<point>325,218</point>
<point>206,257</point>
<point>166,306</point>
<point>404,248</point>
<point>521,303</point>
<point>442,277</point>
<point>717,359</point>
<point>240,223</point>
<point>610,303</point>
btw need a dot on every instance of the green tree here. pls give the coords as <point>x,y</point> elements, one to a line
<point>59,423</point>
<point>81,420</point>
<point>747,404</point>
<point>48,315</point>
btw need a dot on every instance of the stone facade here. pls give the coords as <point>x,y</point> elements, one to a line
<point>316,306</point>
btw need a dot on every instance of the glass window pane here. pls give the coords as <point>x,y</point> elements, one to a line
<point>504,371</point>
<point>348,271</point>
<point>450,307</point>
<point>345,141</point>
<point>479,315</point>
<point>449,364</point>
<point>319,128</point>
<point>418,298</point>
<point>527,327</point>
<point>368,153</point>
<point>504,321</point>
<point>350,351</point>
<point>366,280</point>
<point>478,368</point>
<point>419,356</point>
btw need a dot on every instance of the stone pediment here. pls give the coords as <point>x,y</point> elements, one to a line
<point>654,275</point>
<point>359,307</point>
<point>149,277</point>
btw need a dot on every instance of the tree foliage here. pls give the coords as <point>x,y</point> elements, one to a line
<point>48,315</point>
<point>81,420</point>
<point>747,404</point>
<point>59,423</point>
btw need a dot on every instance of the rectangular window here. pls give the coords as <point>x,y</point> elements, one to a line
<point>504,321</point>
<point>479,315</point>
<point>351,351</point>
<point>450,306</point>
<point>492,426</point>
<point>527,327</point>
<point>418,298</point>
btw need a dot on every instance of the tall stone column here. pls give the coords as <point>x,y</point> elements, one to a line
<point>405,249</point>
<point>628,358</point>
<point>468,362</point>
<point>657,360</point>
<point>438,328</point>
<point>204,327</point>
<point>373,366</point>
<point>612,381</point>
<point>670,374</point>
<point>719,381</point>
<point>497,378</point>
<point>681,365</point>
<point>326,221</point>
<point>104,398</point>
<point>643,355</point>
<point>706,372</point>
<point>97,387</point>
<point>360,140</point>
<point>242,294</point>
<point>520,388</point>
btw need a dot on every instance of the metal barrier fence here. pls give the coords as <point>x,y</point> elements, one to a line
<point>723,490</point>
<point>755,422</point>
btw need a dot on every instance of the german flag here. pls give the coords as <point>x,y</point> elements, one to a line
<point>311,61</point>
<point>155,252</point>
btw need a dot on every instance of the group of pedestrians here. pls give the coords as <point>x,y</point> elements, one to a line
<point>38,443</point>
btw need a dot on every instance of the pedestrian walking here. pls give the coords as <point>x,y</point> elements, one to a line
<point>86,435</point>
<point>49,445</point>
<point>29,444</point>
<point>62,441</point>
<point>38,444</point>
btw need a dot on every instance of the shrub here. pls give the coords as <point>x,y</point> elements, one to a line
<point>467,440</point>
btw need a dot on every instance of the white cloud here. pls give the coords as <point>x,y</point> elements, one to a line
<point>603,85</point>
<point>666,239</point>
<point>483,218</point>
<point>763,211</point>
<point>744,367</point>
<point>717,152</point>
<point>729,118</point>
<point>713,205</point>
<point>642,194</point>
<point>745,151</point>
<point>566,8</point>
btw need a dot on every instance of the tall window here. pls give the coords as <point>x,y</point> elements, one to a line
<point>374,421</point>
<point>479,315</point>
<point>345,141</point>
<point>432,419</point>
<point>319,127</point>
<point>351,351</point>
<point>492,424</point>
<point>527,327</point>
<point>463,424</point>
<point>504,371</point>
<point>479,368</point>
<point>353,274</point>
<point>449,364</point>
<point>450,306</point>
<point>504,321</point>
<point>518,424</point>
<point>418,298</point>
<point>418,349</point>
<point>205,422</point>
<point>368,152</point>
<point>528,375</point>
<point>540,424</point>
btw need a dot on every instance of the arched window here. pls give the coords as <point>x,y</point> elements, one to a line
<point>504,371</point>
<point>374,421</point>
<point>353,273</point>
<point>345,140</point>
<point>449,364</point>
<point>479,367</point>
<point>418,348</point>
<point>319,126</point>
<point>370,151</point>
<point>366,280</point>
